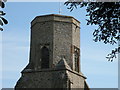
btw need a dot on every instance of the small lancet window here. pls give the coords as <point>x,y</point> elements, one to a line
<point>76,58</point>
<point>44,57</point>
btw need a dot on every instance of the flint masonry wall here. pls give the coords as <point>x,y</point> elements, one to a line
<point>60,33</point>
<point>43,79</point>
<point>62,42</point>
<point>65,29</point>
<point>77,80</point>
<point>51,79</point>
<point>42,35</point>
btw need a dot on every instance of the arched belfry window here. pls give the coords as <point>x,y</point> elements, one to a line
<point>76,58</point>
<point>44,57</point>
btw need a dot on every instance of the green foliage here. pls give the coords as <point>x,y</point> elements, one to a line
<point>107,16</point>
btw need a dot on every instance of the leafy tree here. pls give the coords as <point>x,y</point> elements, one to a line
<point>2,19</point>
<point>107,16</point>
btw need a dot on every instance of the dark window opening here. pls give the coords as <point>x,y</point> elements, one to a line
<point>44,57</point>
<point>76,58</point>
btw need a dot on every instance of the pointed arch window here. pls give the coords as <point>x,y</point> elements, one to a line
<point>76,58</point>
<point>44,57</point>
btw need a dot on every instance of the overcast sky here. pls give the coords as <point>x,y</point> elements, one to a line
<point>16,40</point>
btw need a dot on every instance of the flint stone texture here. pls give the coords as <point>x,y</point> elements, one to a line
<point>58,33</point>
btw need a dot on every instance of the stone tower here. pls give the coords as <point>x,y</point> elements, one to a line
<point>54,54</point>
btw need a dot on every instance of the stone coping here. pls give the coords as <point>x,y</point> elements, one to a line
<point>49,70</point>
<point>55,17</point>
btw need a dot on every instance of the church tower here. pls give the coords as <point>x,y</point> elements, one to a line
<point>54,54</point>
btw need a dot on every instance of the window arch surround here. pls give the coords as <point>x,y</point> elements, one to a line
<point>44,57</point>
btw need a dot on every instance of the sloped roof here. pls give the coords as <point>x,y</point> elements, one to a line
<point>62,64</point>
